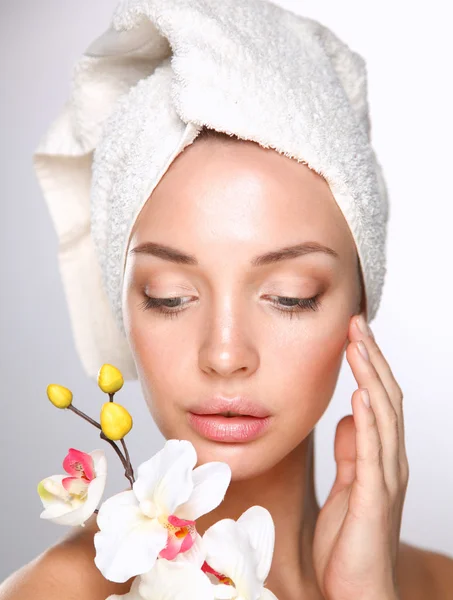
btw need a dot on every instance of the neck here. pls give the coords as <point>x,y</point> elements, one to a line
<point>288,493</point>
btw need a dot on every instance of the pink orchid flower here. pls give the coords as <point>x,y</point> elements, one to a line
<point>72,500</point>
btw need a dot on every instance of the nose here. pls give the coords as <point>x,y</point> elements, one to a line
<point>228,349</point>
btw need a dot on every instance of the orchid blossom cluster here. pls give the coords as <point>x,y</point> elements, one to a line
<point>149,532</point>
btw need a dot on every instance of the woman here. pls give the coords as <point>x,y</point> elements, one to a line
<point>241,289</point>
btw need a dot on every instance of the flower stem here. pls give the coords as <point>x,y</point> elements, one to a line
<point>128,460</point>
<point>128,472</point>
<point>84,416</point>
<point>127,467</point>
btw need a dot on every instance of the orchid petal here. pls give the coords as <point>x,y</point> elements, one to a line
<point>75,485</point>
<point>187,543</point>
<point>52,492</point>
<point>259,526</point>
<point>79,464</point>
<point>210,483</point>
<point>196,555</point>
<point>46,496</point>
<point>116,509</point>
<point>166,478</point>
<point>177,522</point>
<point>94,496</point>
<point>100,462</point>
<point>133,593</point>
<point>171,580</point>
<point>128,542</point>
<point>172,548</point>
<point>149,508</point>
<point>225,592</point>
<point>228,551</point>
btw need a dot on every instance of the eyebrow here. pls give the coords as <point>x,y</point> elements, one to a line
<point>176,256</point>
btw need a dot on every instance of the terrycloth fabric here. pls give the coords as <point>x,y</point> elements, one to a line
<point>141,94</point>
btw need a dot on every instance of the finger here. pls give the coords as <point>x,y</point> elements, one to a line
<point>377,358</point>
<point>345,452</point>
<point>369,489</point>
<point>385,415</point>
<point>360,330</point>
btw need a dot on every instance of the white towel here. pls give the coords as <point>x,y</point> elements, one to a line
<point>140,95</point>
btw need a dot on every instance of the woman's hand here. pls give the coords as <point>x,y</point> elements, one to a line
<point>357,533</point>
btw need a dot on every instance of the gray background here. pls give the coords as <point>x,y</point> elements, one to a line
<point>408,55</point>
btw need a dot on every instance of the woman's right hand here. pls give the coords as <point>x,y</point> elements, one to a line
<point>357,534</point>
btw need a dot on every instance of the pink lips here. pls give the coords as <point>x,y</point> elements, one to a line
<point>247,421</point>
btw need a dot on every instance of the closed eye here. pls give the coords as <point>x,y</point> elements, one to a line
<point>285,304</point>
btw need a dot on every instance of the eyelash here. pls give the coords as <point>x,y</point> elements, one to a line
<point>301,305</point>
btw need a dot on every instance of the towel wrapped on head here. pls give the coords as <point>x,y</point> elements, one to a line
<point>142,92</point>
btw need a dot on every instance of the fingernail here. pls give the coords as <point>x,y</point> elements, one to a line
<point>363,326</point>
<point>363,351</point>
<point>365,397</point>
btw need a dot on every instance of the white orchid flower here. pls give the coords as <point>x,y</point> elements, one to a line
<point>239,555</point>
<point>72,500</point>
<point>231,561</point>
<point>157,517</point>
<point>178,579</point>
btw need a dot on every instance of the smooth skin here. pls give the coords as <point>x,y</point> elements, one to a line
<point>225,202</point>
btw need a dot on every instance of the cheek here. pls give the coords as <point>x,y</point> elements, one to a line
<point>305,368</point>
<point>155,353</point>
<point>151,340</point>
<point>163,355</point>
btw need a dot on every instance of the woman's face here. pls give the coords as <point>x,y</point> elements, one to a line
<point>232,326</point>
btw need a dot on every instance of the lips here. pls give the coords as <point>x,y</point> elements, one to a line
<point>233,406</point>
<point>229,420</point>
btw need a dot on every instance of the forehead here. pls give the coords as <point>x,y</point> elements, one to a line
<point>235,191</point>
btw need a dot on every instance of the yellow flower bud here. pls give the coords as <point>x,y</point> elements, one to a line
<point>110,379</point>
<point>116,422</point>
<point>60,396</point>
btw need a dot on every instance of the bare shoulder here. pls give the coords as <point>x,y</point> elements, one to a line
<point>65,571</point>
<point>424,574</point>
